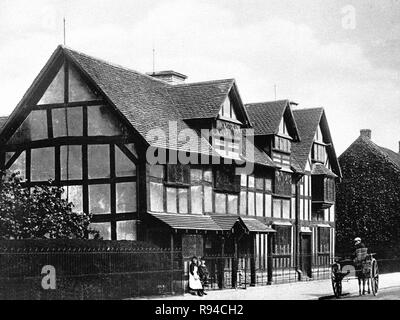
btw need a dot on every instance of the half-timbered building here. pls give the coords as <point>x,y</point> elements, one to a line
<point>155,159</point>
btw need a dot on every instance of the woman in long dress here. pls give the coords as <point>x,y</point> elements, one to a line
<point>194,278</point>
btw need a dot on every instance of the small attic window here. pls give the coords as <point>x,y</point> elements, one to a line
<point>283,128</point>
<point>318,135</point>
<point>227,110</point>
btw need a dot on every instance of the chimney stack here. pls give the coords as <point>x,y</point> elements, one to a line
<point>172,77</point>
<point>366,133</point>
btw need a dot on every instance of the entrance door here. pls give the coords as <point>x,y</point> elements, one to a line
<point>305,251</point>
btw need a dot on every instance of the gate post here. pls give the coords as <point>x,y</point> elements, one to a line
<point>253,263</point>
<point>235,262</point>
<point>221,265</point>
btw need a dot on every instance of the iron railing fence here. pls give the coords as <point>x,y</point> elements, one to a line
<point>127,273</point>
<point>92,274</point>
<point>249,270</point>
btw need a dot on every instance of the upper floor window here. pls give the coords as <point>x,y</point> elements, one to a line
<point>226,180</point>
<point>227,110</point>
<point>282,144</point>
<point>329,189</point>
<point>283,183</point>
<point>318,135</point>
<point>283,128</point>
<point>319,152</point>
<point>178,173</point>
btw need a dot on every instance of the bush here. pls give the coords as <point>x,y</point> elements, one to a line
<point>38,212</point>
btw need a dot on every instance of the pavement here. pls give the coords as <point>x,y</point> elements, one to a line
<point>389,285</point>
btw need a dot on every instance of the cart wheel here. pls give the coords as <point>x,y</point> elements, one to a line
<point>374,277</point>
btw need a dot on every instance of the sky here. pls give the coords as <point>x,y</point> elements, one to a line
<point>343,55</point>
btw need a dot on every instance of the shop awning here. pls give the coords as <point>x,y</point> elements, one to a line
<point>305,230</point>
<point>210,222</point>
<point>187,221</point>
<point>254,225</point>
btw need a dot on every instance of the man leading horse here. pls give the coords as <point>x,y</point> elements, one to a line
<point>361,265</point>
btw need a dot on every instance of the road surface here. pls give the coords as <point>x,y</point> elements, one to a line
<point>391,293</point>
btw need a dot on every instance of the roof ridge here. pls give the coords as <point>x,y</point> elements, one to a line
<point>265,102</point>
<point>309,109</point>
<point>202,82</point>
<point>115,65</point>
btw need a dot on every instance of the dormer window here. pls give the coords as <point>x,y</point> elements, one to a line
<point>319,152</point>
<point>318,136</point>
<point>227,110</point>
<point>227,131</point>
<point>283,128</point>
<point>282,144</point>
<point>282,141</point>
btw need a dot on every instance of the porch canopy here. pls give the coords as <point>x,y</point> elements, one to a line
<point>217,223</point>
<point>254,225</point>
<point>187,221</point>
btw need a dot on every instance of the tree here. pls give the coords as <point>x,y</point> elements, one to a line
<point>38,212</point>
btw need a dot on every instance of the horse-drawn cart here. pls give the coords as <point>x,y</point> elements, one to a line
<point>363,267</point>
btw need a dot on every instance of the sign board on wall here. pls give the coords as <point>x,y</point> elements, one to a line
<point>192,245</point>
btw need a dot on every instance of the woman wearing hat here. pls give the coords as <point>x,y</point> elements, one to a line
<point>194,278</point>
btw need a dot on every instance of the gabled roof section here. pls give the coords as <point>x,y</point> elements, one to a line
<point>203,100</point>
<point>308,121</point>
<point>266,117</point>
<point>200,99</point>
<point>385,154</point>
<point>143,101</point>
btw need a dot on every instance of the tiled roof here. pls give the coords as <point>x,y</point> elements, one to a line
<point>200,100</point>
<point>266,116</point>
<point>187,221</point>
<point>307,121</point>
<point>146,102</point>
<point>259,156</point>
<point>320,169</point>
<point>253,225</point>
<point>149,103</point>
<point>226,222</point>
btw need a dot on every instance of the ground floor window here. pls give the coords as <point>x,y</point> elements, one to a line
<point>125,230</point>
<point>281,208</point>
<point>323,240</point>
<point>282,240</point>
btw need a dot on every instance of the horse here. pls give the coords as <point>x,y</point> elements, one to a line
<point>362,265</point>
